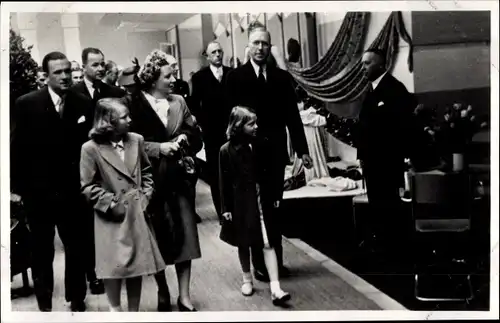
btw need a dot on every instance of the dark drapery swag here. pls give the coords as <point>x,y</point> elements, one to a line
<point>338,78</point>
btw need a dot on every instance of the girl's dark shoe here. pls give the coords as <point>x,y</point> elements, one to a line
<point>280,299</point>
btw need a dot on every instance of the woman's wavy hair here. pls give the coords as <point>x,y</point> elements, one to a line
<point>150,71</point>
<point>239,116</point>
<point>105,113</point>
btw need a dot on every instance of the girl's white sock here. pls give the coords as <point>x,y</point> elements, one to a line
<point>247,277</point>
<point>275,287</point>
<point>115,309</point>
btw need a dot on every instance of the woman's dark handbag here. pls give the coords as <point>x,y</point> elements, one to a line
<point>227,233</point>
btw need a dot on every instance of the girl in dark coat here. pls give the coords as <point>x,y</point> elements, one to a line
<point>248,208</point>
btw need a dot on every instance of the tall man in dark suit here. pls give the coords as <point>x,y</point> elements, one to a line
<point>207,104</point>
<point>384,138</point>
<point>268,90</point>
<point>51,126</point>
<point>94,69</point>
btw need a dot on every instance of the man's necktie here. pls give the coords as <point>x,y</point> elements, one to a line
<point>261,78</point>
<point>61,105</point>
<point>219,74</point>
<point>97,92</point>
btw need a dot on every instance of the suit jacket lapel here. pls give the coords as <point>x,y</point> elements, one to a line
<point>84,90</point>
<point>110,155</point>
<point>174,117</point>
<point>152,113</point>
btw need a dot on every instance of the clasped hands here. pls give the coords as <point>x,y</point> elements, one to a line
<point>171,147</point>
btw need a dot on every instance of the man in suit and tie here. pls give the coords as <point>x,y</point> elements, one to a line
<point>207,104</point>
<point>384,137</point>
<point>51,125</point>
<point>94,70</point>
<point>94,88</point>
<point>268,90</point>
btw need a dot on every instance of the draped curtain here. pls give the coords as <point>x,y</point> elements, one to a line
<point>338,78</point>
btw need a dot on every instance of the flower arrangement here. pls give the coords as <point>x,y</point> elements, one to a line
<point>459,126</point>
<point>439,138</point>
<point>341,128</point>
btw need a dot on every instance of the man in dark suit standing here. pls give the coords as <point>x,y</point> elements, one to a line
<point>51,125</point>
<point>212,114</point>
<point>94,69</point>
<point>384,136</point>
<point>268,90</point>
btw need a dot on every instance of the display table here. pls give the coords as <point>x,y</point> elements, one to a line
<point>321,192</point>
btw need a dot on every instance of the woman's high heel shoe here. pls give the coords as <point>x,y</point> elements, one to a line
<point>183,308</point>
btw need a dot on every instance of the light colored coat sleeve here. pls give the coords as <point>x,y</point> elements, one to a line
<point>99,197</point>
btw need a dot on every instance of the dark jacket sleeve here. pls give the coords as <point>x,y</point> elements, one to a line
<point>407,129</point>
<point>293,120</point>
<point>190,129</point>
<point>195,100</point>
<point>225,182</point>
<point>18,137</point>
<point>232,91</point>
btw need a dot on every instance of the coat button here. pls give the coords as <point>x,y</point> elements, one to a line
<point>126,202</point>
<point>123,191</point>
<point>133,175</point>
<point>119,178</point>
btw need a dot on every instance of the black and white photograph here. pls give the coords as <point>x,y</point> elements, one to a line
<point>327,160</point>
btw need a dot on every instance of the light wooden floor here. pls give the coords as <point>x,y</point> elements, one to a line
<point>216,279</point>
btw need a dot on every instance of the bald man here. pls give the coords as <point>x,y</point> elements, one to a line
<point>207,105</point>
<point>385,132</point>
<point>268,90</point>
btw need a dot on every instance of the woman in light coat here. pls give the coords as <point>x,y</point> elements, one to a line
<point>116,179</point>
<point>171,137</point>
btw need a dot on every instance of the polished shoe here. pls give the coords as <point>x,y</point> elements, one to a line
<point>284,272</point>
<point>164,304</point>
<point>78,306</point>
<point>183,308</point>
<point>96,287</point>
<point>261,276</point>
<point>45,303</point>
<point>281,298</point>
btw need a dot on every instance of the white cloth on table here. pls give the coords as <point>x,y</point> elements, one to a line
<point>312,123</point>
<point>337,184</point>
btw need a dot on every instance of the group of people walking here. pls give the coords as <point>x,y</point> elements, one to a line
<point>114,171</point>
<point>114,168</point>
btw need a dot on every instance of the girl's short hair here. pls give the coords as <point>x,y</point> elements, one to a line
<point>239,116</point>
<point>105,112</point>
